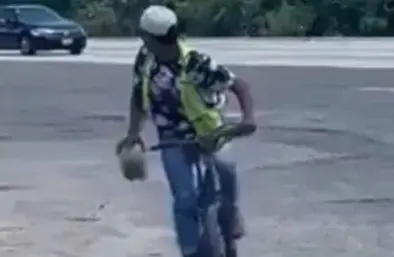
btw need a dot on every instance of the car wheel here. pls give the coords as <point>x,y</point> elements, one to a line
<point>26,46</point>
<point>76,50</point>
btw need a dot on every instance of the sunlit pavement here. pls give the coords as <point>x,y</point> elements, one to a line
<point>316,178</point>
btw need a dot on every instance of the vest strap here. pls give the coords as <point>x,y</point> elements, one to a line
<point>204,119</point>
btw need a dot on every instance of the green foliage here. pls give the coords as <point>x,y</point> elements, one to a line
<point>290,20</point>
<point>98,17</point>
<point>237,17</point>
<point>62,6</point>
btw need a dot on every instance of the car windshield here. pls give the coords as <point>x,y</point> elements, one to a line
<point>38,15</point>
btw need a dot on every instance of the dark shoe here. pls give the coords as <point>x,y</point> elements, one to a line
<point>238,225</point>
<point>231,252</point>
<point>192,255</point>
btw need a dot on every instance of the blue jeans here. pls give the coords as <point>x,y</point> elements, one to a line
<point>178,164</point>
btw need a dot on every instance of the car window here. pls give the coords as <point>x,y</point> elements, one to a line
<point>37,14</point>
<point>6,14</point>
<point>2,15</point>
<point>9,14</point>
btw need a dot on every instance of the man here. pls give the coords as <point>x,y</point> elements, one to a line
<point>169,80</point>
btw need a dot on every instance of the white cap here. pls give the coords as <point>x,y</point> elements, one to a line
<point>157,20</point>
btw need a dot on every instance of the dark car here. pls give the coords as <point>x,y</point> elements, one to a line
<point>35,27</point>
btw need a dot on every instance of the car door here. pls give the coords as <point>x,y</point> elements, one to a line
<point>3,29</point>
<point>12,29</point>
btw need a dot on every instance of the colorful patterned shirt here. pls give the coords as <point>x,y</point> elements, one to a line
<point>212,80</point>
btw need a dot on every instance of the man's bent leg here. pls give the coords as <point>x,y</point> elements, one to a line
<point>178,165</point>
<point>229,187</point>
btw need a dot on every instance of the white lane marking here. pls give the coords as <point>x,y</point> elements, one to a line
<point>239,41</point>
<point>349,53</point>
<point>227,113</point>
<point>267,63</point>
<point>238,114</point>
<point>378,89</point>
<point>71,162</point>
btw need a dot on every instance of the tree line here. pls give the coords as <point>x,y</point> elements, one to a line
<point>237,17</point>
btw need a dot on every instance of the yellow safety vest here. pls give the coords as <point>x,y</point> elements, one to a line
<point>203,118</point>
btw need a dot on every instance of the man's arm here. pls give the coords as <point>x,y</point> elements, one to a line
<point>209,75</point>
<point>241,90</point>
<point>137,116</point>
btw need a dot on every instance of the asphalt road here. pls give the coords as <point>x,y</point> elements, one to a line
<point>316,179</point>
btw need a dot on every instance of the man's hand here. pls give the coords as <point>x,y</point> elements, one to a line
<point>131,153</point>
<point>214,142</point>
<point>248,126</point>
<point>210,143</point>
<point>129,141</point>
